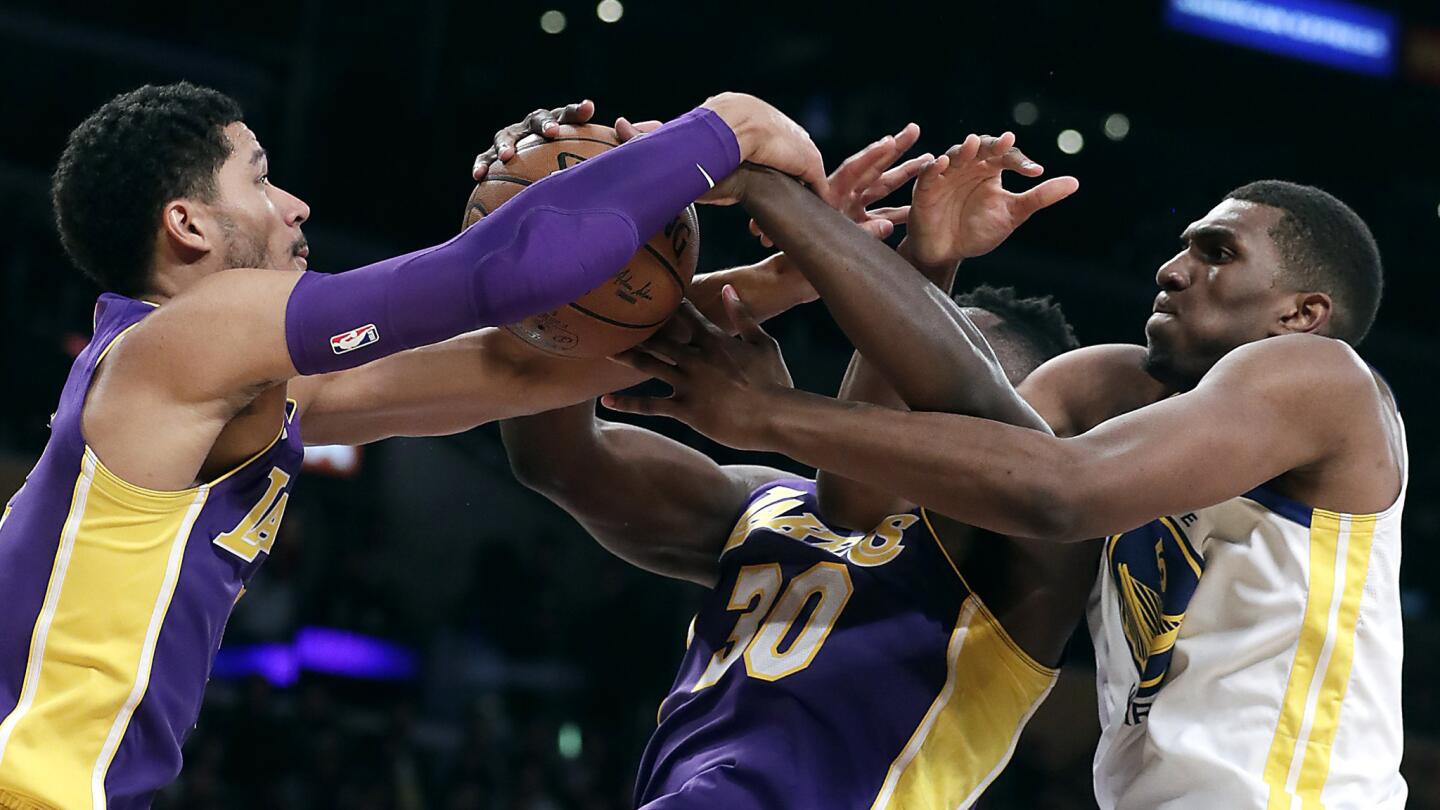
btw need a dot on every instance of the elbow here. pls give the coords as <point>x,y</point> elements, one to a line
<point>535,467</point>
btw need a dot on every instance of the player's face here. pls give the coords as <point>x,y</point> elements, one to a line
<point>1219,292</point>
<point>259,221</point>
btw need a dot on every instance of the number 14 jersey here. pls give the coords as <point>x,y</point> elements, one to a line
<point>834,669</point>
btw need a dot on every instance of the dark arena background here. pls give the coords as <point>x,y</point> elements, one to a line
<point>427,633</point>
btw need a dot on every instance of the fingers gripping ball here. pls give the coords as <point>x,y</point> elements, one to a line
<point>624,310</point>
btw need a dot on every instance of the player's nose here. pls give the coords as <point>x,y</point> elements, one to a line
<point>1173,275</point>
<point>295,210</point>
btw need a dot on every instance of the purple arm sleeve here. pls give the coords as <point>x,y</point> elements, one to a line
<point>558,239</point>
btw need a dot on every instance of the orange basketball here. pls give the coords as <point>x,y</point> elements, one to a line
<point>624,310</point>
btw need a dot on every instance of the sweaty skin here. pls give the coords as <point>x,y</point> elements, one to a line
<point>1251,418</point>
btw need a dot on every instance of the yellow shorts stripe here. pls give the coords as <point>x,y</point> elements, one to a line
<point>91,650</point>
<point>971,728</point>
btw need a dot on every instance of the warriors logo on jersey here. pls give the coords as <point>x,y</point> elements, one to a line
<point>1155,569</point>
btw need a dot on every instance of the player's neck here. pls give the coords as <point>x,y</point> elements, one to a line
<point>170,278</point>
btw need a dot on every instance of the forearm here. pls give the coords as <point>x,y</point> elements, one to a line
<point>557,239</point>
<point>995,476</point>
<point>916,336</point>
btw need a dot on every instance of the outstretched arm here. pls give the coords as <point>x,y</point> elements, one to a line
<point>490,374</point>
<point>1253,418</point>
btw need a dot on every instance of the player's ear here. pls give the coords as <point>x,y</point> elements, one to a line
<point>187,228</point>
<point>1306,312</point>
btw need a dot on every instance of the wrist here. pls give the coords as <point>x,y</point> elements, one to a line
<point>736,110</point>
<point>939,270</point>
<point>767,416</point>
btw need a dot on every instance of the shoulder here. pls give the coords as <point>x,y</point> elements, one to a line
<point>1303,363</point>
<point>1082,388</point>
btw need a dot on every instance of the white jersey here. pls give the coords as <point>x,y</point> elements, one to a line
<point>1249,657</point>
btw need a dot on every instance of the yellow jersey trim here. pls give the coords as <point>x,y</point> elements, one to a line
<point>113,341</point>
<point>970,592</point>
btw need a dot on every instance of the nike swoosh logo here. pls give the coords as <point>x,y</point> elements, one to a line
<point>706,175</point>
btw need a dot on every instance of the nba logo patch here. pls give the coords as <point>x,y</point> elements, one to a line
<point>354,339</point>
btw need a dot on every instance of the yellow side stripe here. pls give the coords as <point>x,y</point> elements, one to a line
<point>1298,762</point>
<point>1315,767</point>
<point>1324,537</point>
<point>147,650</point>
<point>91,654</point>
<point>970,730</point>
<point>41,632</point>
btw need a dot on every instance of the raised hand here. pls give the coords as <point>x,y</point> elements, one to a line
<point>720,383</point>
<point>960,209</point>
<point>545,123</point>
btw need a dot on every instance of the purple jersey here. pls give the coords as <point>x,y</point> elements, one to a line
<point>838,670</point>
<point>114,600</point>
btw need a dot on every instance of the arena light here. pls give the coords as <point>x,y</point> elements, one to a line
<point>318,649</point>
<point>1025,113</point>
<point>1070,141</point>
<point>1331,32</point>
<point>610,11</point>
<point>1117,126</point>
<point>552,21</point>
<point>339,460</point>
<point>569,741</point>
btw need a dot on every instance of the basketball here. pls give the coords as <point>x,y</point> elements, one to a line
<point>624,310</point>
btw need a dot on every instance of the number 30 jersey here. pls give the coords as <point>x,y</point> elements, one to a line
<point>838,670</point>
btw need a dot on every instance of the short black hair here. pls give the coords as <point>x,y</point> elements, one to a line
<point>120,167</point>
<point>1327,248</point>
<point>1038,324</point>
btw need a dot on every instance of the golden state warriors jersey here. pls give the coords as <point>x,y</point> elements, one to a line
<point>830,669</point>
<point>113,599</point>
<point>1249,659</point>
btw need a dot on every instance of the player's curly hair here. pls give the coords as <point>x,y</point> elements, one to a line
<point>120,167</point>
<point>1326,247</point>
<point>1038,324</point>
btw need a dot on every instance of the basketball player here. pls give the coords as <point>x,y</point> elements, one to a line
<point>177,437</point>
<point>827,667</point>
<point>1248,638</point>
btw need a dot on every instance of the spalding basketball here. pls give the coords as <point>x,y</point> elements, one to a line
<point>624,310</point>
